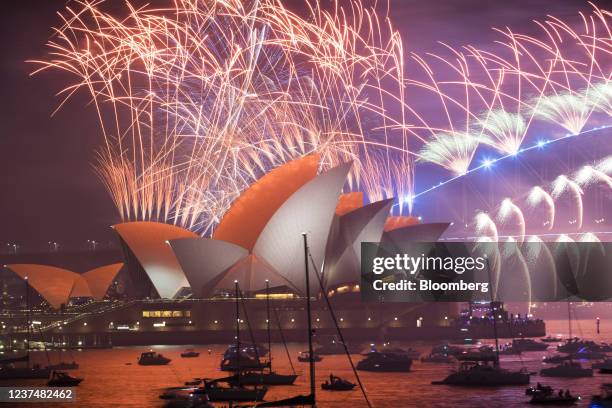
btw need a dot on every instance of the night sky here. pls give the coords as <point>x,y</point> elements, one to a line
<point>49,190</point>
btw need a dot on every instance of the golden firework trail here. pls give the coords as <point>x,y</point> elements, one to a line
<point>197,100</point>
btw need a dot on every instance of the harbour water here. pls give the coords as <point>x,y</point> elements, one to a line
<point>114,379</point>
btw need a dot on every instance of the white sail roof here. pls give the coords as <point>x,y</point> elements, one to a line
<point>311,210</point>
<point>343,259</point>
<point>148,242</point>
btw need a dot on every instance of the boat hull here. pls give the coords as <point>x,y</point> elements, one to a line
<point>153,362</point>
<point>263,379</point>
<point>65,383</point>
<point>224,394</point>
<point>24,373</point>
<point>340,387</point>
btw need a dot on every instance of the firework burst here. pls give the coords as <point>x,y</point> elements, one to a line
<point>196,101</point>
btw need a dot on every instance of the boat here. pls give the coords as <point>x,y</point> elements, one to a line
<point>263,377</point>
<point>24,373</point>
<point>575,345</point>
<point>385,361</point>
<point>508,349</point>
<point>149,358</point>
<point>528,345</point>
<point>481,374</point>
<point>190,354</point>
<point>446,348</point>
<point>250,350</point>
<point>236,389</point>
<point>588,355</point>
<point>604,399</point>
<point>308,399</point>
<point>553,399</point>
<point>243,362</point>
<point>259,378</point>
<point>409,352</point>
<point>465,341</point>
<point>604,367</point>
<point>337,384</point>
<point>242,356</point>
<point>555,359</point>
<point>543,389</point>
<point>568,369</point>
<point>438,358</point>
<point>303,357</point>
<point>217,393</point>
<point>550,339</point>
<point>181,397</point>
<point>65,366</point>
<point>8,370</point>
<point>62,379</point>
<point>483,353</point>
<point>12,360</point>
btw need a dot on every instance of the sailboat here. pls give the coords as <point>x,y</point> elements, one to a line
<point>568,368</point>
<point>236,390</point>
<point>308,399</point>
<point>212,390</point>
<point>7,369</point>
<point>263,378</point>
<point>480,373</point>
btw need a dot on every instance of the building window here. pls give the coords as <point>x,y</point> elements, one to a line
<point>166,313</point>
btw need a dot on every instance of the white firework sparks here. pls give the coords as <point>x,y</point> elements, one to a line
<point>538,195</point>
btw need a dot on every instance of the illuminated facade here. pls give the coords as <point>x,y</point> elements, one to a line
<point>267,247</point>
<point>57,286</point>
<point>349,230</point>
<point>153,268</point>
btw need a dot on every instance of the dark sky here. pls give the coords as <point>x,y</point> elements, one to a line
<point>49,191</point>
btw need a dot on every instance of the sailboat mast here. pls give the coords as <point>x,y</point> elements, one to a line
<point>27,296</point>
<point>237,331</point>
<point>268,323</point>
<point>494,316</point>
<point>569,317</point>
<point>308,314</point>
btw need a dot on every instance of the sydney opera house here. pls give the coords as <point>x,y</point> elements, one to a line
<point>176,282</point>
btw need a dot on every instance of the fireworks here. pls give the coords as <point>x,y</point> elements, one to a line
<point>199,99</point>
<point>509,210</point>
<point>589,175</point>
<point>486,227</point>
<point>600,97</point>
<point>569,110</point>
<point>504,131</point>
<point>494,96</point>
<point>562,185</point>
<point>536,196</point>
<point>451,151</point>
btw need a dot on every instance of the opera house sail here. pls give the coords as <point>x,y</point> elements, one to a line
<point>266,238</point>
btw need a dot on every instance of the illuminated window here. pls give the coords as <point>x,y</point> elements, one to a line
<point>166,313</point>
<point>275,296</point>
